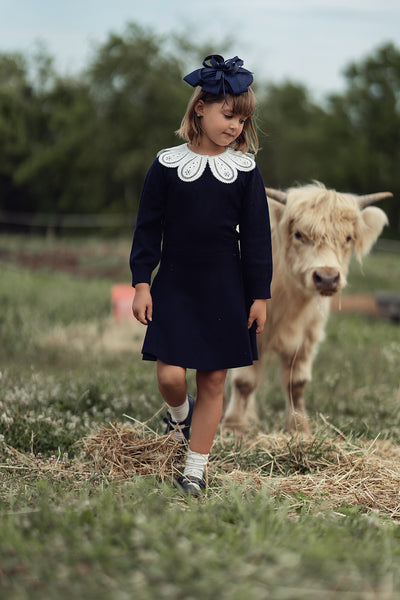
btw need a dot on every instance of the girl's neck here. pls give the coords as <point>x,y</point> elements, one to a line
<point>206,149</point>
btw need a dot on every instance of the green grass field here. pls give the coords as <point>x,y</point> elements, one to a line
<point>68,530</point>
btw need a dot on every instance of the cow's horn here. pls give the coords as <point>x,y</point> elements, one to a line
<point>277,195</point>
<point>371,198</point>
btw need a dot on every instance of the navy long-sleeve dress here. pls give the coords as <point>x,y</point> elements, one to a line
<point>208,274</point>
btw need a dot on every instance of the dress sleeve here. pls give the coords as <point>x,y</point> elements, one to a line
<point>255,239</point>
<point>146,245</point>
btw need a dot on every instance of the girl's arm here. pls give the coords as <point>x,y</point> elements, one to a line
<point>255,239</point>
<point>146,246</point>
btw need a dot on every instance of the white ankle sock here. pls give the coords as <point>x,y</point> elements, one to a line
<point>179,413</point>
<point>195,464</point>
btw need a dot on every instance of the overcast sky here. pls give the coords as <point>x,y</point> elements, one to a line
<point>308,41</point>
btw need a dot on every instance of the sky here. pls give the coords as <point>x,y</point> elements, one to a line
<point>306,41</point>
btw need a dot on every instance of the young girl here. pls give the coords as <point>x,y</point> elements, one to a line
<point>208,298</point>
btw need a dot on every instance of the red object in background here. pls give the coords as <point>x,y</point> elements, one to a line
<point>122,295</point>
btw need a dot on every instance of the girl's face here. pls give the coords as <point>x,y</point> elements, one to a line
<point>219,126</point>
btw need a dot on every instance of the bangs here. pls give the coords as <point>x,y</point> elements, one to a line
<point>243,104</point>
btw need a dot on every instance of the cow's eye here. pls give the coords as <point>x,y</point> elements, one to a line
<point>298,235</point>
<point>349,238</point>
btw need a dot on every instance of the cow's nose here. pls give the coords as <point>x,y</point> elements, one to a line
<point>326,281</point>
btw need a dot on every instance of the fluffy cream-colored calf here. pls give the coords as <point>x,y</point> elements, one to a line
<point>314,232</point>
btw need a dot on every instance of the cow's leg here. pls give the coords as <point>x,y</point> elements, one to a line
<point>296,367</point>
<point>296,416</point>
<point>241,410</point>
<point>295,372</point>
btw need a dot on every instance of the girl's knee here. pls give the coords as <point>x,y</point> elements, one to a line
<point>170,377</point>
<point>213,381</point>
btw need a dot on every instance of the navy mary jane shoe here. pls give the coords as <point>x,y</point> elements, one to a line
<point>191,486</point>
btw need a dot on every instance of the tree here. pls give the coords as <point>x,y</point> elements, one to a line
<point>45,125</point>
<point>289,124</point>
<point>57,170</point>
<point>84,143</point>
<point>16,127</point>
<point>133,82</point>
<point>364,125</point>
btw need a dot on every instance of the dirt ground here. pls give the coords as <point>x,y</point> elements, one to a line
<point>103,262</point>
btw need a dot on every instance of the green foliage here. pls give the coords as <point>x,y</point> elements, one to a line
<point>370,112</point>
<point>350,144</point>
<point>83,144</point>
<point>16,126</point>
<point>291,135</point>
<point>138,100</point>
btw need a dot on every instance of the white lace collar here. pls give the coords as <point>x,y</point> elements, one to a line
<point>191,166</point>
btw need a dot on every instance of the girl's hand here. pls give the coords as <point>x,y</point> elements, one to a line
<point>142,305</point>
<point>258,313</point>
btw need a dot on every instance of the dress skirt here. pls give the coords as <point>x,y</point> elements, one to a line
<point>200,313</point>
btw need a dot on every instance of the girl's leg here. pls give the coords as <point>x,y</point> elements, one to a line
<point>208,409</point>
<point>173,388</point>
<point>172,383</point>
<point>206,417</point>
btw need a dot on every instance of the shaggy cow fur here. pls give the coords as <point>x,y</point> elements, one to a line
<point>314,232</point>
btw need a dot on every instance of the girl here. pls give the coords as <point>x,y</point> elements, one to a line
<point>208,299</point>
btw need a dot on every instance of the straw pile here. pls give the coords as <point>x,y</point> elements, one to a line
<point>357,473</point>
<point>367,481</point>
<point>126,450</point>
<point>321,472</point>
<point>369,477</point>
<point>326,470</point>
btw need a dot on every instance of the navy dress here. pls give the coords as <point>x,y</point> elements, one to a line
<point>209,273</point>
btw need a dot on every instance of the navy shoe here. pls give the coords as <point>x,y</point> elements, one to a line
<point>184,426</point>
<point>190,485</point>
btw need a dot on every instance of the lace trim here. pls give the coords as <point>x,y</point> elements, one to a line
<point>191,166</point>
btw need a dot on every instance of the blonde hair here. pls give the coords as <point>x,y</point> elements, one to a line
<point>243,104</point>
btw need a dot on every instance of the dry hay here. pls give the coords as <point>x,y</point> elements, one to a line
<point>126,450</point>
<point>357,473</point>
<point>369,477</point>
<point>319,471</point>
<point>326,470</point>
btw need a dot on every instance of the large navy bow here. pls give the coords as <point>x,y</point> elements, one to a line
<point>221,76</point>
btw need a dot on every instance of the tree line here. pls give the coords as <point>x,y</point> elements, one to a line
<point>83,143</point>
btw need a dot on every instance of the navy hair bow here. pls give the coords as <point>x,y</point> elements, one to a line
<point>221,76</point>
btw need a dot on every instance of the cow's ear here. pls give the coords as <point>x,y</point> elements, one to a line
<point>276,210</point>
<point>372,221</point>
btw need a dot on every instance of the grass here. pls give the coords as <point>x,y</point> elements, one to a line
<point>375,274</point>
<point>68,529</point>
<point>140,541</point>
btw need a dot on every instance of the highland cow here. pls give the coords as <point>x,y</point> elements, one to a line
<point>314,233</point>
